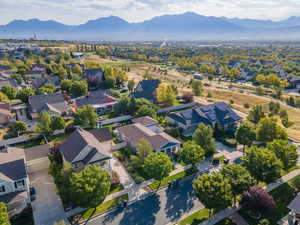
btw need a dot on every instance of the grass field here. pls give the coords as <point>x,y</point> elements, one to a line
<point>195,218</point>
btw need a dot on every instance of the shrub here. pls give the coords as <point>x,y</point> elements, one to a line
<point>247,105</point>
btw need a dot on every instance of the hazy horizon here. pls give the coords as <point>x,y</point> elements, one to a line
<point>75,12</point>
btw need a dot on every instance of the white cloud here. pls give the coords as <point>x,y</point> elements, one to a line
<point>79,11</point>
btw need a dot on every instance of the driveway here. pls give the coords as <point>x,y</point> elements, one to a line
<point>47,207</point>
<point>167,205</point>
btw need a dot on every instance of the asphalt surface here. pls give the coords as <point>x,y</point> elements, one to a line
<point>167,205</point>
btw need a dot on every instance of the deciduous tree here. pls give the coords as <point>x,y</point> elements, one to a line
<point>245,135</point>
<point>4,219</point>
<point>90,187</point>
<point>157,165</point>
<point>86,116</point>
<point>214,191</point>
<point>262,164</point>
<point>203,136</point>
<point>258,200</point>
<point>239,178</point>
<point>285,152</point>
<point>191,153</point>
<point>256,114</point>
<point>268,130</point>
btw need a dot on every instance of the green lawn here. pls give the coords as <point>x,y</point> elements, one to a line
<point>103,207</point>
<point>195,218</point>
<point>116,188</point>
<point>165,182</point>
<point>282,195</point>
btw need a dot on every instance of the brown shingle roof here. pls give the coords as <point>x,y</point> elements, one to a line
<point>135,132</point>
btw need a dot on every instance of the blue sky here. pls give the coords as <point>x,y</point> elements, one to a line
<point>80,11</point>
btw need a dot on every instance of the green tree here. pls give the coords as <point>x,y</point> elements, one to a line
<point>157,165</point>
<point>238,177</point>
<point>20,126</point>
<point>143,148</point>
<point>262,164</point>
<point>268,130</point>
<point>191,153</point>
<point>4,219</point>
<point>9,91</point>
<point>90,187</point>
<point>47,89</point>
<point>166,94</point>
<point>245,135</point>
<point>130,85</point>
<point>203,136</point>
<point>256,114</point>
<point>285,152</point>
<point>43,125</point>
<point>86,116</point>
<point>25,93</point>
<point>79,88</point>
<point>66,85</point>
<point>197,87</point>
<point>77,69</point>
<point>214,191</point>
<point>274,107</point>
<point>145,110</point>
<point>57,123</point>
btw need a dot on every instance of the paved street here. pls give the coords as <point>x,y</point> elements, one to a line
<point>166,206</point>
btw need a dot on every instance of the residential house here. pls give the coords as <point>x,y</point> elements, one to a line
<point>294,82</point>
<point>14,182</point>
<point>189,120</point>
<point>146,89</point>
<point>101,100</point>
<point>94,77</point>
<point>55,104</point>
<point>33,74</point>
<point>5,113</point>
<point>7,82</point>
<point>144,128</point>
<point>83,148</point>
<point>39,68</point>
<point>39,82</point>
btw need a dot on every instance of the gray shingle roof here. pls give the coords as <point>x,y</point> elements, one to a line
<point>94,97</point>
<point>148,88</point>
<point>56,100</point>
<point>207,114</point>
<point>77,141</point>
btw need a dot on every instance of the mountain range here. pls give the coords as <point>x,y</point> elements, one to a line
<point>186,26</point>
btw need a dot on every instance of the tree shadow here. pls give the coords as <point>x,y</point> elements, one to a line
<point>142,212</point>
<point>179,200</point>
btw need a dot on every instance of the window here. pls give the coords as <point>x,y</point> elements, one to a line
<point>19,184</point>
<point>2,188</point>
